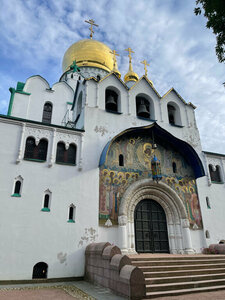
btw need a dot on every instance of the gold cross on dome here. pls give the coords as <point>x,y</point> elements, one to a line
<point>144,62</point>
<point>92,22</point>
<point>114,57</point>
<point>130,51</point>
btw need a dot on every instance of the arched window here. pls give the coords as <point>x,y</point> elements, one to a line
<point>71,214</point>
<point>121,160</point>
<point>17,189</point>
<point>142,107</point>
<point>174,115</point>
<point>207,202</point>
<point>174,167</point>
<point>215,173</point>
<point>66,156</point>
<point>47,113</point>
<point>33,152</point>
<point>46,201</point>
<point>111,101</point>
<point>40,270</point>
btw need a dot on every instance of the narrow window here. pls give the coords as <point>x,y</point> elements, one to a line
<point>142,107</point>
<point>71,218</point>
<point>121,160</point>
<point>171,114</point>
<point>79,106</point>
<point>207,202</point>
<point>47,113</point>
<point>29,148</point>
<point>207,235</point>
<point>215,173</point>
<point>111,101</point>
<point>17,188</point>
<point>174,167</point>
<point>46,201</point>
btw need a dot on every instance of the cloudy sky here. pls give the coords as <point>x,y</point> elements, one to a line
<point>34,36</point>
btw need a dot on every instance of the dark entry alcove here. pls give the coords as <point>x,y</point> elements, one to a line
<point>40,270</point>
<point>150,228</point>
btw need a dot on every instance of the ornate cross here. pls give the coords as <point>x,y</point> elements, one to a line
<point>144,62</point>
<point>92,22</point>
<point>114,58</point>
<point>130,51</point>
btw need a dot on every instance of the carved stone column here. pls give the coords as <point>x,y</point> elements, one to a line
<point>122,220</point>
<point>188,249</point>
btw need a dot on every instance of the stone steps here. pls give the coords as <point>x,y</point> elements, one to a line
<point>154,295</point>
<point>177,275</point>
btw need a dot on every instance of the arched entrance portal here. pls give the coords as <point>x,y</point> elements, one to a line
<point>150,228</point>
<point>179,237</point>
<point>40,270</point>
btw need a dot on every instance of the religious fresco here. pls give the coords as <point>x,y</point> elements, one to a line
<point>138,153</point>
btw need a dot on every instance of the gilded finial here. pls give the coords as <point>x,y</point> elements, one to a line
<point>144,62</point>
<point>92,22</point>
<point>115,68</point>
<point>131,75</point>
<point>129,50</point>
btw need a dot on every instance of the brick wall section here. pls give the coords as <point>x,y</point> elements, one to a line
<point>106,266</point>
<point>217,248</point>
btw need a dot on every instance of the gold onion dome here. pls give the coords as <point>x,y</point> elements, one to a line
<point>131,76</point>
<point>89,53</point>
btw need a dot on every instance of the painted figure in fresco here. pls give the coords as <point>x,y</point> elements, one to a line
<point>195,209</point>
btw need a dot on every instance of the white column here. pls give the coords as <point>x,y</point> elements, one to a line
<point>97,95</point>
<point>122,220</point>
<point>171,236</point>
<point>187,237</point>
<point>21,144</point>
<point>178,238</point>
<point>81,153</point>
<point>53,149</point>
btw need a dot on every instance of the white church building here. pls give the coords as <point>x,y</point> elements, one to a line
<point>98,158</point>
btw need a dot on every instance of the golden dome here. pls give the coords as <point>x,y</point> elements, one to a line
<point>89,53</point>
<point>131,76</point>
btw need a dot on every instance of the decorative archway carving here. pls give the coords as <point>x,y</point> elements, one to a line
<point>176,215</point>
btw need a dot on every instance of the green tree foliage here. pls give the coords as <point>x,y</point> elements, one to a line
<point>214,11</point>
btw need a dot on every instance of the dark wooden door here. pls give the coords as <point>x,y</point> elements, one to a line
<point>150,228</point>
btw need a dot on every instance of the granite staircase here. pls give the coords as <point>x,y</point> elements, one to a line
<point>172,275</point>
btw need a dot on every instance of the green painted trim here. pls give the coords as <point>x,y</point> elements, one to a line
<point>40,123</point>
<point>175,125</point>
<point>70,221</point>
<point>37,160</point>
<point>20,85</point>
<point>66,164</point>
<point>217,182</point>
<point>45,209</point>
<point>70,103</point>
<point>24,93</point>
<point>12,91</point>
<point>15,195</point>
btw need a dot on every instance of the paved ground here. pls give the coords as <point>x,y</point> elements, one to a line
<point>219,295</point>
<point>82,290</point>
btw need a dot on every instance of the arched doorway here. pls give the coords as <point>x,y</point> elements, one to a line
<point>40,270</point>
<point>150,228</point>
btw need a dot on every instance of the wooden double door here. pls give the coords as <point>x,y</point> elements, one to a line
<point>151,234</point>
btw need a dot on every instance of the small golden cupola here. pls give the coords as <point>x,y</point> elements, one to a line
<point>131,77</point>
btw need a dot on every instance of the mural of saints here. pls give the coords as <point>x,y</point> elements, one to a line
<point>138,153</point>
